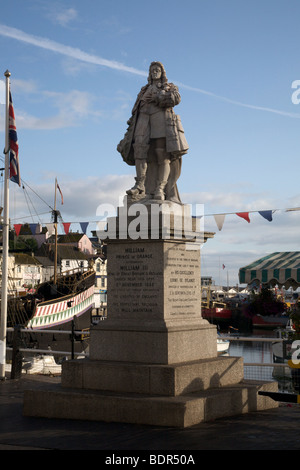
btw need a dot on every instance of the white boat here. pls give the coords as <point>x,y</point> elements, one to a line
<point>222,345</point>
<point>43,364</point>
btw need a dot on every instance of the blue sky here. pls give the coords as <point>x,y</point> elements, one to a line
<point>76,68</point>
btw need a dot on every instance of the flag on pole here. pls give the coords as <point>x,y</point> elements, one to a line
<point>14,170</point>
<point>62,199</point>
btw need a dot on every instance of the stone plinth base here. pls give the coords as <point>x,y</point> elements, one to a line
<point>177,395</point>
<point>149,379</point>
<point>149,343</point>
<point>179,411</point>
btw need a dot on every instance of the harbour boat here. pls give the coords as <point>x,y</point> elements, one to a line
<point>42,364</point>
<point>216,312</point>
<point>63,303</point>
<point>55,306</point>
<point>269,321</point>
<point>222,345</point>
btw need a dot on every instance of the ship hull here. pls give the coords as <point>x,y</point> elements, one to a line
<point>66,313</point>
<point>271,321</point>
<point>216,314</point>
<point>63,315</point>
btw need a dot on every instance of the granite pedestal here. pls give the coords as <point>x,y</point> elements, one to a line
<point>154,359</point>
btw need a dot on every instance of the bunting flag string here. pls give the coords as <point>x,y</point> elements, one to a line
<point>266,214</point>
<point>219,219</point>
<point>50,227</point>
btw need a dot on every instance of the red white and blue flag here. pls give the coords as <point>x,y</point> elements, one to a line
<point>14,170</point>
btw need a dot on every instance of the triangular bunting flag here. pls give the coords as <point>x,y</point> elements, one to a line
<point>244,215</point>
<point>267,215</point>
<point>33,228</point>
<point>219,218</point>
<point>50,228</point>
<point>83,226</point>
<point>66,227</point>
<point>17,228</point>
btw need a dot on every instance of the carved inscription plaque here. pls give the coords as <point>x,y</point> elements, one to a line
<point>135,277</point>
<point>182,281</point>
<point>153,280</point>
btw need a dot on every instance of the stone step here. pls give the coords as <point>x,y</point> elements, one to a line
<point>153,379</point>
<point>180,411</point>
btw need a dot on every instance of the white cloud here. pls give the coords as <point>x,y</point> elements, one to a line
<point>77,103</point>
<point>82,197</point>
<point>71,108</point>
<point>64,17</point>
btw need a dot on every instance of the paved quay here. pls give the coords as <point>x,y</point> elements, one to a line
<point>276,429</point>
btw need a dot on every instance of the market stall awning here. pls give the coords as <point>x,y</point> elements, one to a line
<point>280,268</point>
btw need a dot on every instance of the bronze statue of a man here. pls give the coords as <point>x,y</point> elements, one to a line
<point>154,141</point>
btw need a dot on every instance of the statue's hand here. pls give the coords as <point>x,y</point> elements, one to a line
<point>166,100</point>
<point>148,99</point>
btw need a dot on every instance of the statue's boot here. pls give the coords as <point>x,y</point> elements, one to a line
<point>140,152</point>
<point>160,191</point>
<point>163,174</point>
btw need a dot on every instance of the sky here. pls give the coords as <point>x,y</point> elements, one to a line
<point>76,69</point>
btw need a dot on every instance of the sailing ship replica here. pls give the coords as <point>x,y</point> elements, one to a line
<point>63,303</point>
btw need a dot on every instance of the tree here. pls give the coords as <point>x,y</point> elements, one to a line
<point>28,244</point>
<point>265,303</point>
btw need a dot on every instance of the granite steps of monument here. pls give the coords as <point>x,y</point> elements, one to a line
<point>153,379</point>
<point>179,411</point>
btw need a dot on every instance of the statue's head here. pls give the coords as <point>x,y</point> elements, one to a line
<point>163,72</point>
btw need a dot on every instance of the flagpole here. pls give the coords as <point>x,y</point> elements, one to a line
<point>55,235</point>
<point>5,238</point>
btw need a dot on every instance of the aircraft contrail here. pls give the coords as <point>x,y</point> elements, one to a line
<point>78,54</point>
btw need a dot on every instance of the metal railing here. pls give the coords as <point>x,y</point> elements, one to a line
<point>17,342</point>
<point>268,371</point>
